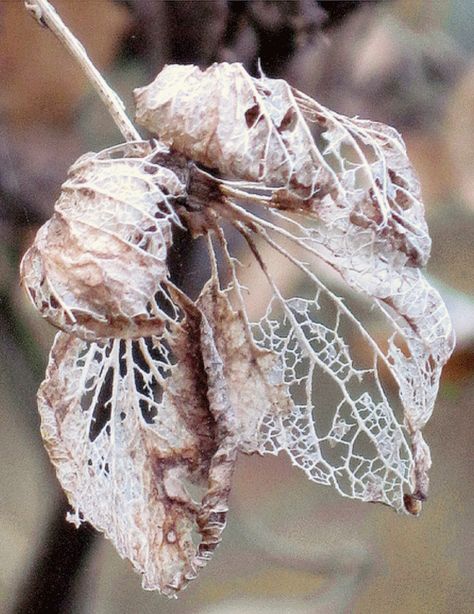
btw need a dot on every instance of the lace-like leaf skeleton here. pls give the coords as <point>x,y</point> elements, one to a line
<point>150,394</point>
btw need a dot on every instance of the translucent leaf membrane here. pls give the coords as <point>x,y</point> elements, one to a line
<point>111,225</point>
<point>136,427</point>
<point>144,426</point>
<point>131,430</point>
<point>342,190</point>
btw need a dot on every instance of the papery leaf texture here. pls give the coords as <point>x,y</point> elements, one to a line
<point>150,394</point>
<point>341,190</point>
<point>130,425</point>
<point>111,224</point>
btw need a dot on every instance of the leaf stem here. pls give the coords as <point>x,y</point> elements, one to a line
<point>47,16</point>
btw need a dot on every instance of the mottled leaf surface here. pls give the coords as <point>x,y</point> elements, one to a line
<point>111,224</point>
<point>130,426</point>
<point>149,394</point>
<point>319,185</point>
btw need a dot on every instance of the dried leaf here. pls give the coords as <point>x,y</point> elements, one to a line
<point>129,426</point>
<point>132,422</point>
<point>259,130</point>
<point>344,191</point>
<point>112,223</point>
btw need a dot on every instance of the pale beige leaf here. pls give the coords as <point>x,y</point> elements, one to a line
<point>321,185</point>
<point>129,426</point>
<point>262,130</point>
<point>112,224</point>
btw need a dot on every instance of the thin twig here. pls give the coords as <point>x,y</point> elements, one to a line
<point>46,15</point>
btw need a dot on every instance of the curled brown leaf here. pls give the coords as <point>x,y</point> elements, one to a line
<point>152,394</point>
<point>112,223</point>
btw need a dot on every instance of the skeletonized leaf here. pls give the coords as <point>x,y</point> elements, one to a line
<point>341,190</point>
<point>112,223</point>
<point>341,427</point>
<point>132,422</point>
<point>129,426</point>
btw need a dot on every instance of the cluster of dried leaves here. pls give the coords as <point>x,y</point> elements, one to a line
<point>150,395</point>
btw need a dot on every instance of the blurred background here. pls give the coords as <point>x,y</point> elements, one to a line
<point>290,547</point>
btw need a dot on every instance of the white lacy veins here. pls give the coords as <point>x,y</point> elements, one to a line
<point>149,395</point>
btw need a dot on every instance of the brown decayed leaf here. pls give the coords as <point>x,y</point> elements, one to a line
<point>130,422</point>
<point>112,223</point>
<point>354,202</point>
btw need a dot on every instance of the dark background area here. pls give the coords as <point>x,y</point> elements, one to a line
<point>290,546</point>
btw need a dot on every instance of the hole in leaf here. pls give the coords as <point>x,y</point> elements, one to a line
<point>289,120</point>
<point>252,115</point>
<point>103,408</point>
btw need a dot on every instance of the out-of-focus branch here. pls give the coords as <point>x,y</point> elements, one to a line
<point>50,585</point>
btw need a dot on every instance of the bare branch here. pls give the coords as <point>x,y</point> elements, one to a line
<point>46,15</point>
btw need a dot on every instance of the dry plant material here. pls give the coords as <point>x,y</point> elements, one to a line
<point>111,225</point>
<point>149,395</point>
